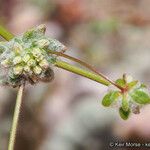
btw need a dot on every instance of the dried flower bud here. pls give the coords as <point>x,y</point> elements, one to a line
<point>41,28</point>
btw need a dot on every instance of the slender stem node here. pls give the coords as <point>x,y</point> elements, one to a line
<point>15,118</point>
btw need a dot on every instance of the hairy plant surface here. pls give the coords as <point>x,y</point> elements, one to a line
<point>26,58</point>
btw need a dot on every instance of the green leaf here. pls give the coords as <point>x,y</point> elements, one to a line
<point>125,103</point>
<point>110,98</point>
<point>140,97</point>
<point>28,34</point>
<point>121,82</point>
<point>132,84</point>
<point>143,86</point>
<point>2,47</point>
<point>124,114</point>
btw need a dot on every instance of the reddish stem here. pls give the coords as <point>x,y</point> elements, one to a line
<point>87,66</point>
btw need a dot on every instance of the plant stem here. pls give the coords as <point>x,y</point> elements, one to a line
<point>87,66</point>
<point>15,118</point>
<point>8,36</point>
<point>5,34</point>
<point>79,71</point>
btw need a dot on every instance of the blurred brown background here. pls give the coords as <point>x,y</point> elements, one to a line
<point>112,35</point>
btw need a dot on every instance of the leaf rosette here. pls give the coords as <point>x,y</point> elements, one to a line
<point>133,96</point>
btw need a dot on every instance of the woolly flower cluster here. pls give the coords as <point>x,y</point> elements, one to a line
<point>131,99</point>
<point>26,58</point>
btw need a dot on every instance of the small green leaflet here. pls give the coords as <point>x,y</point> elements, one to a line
<point>125,103</point>
<point>110,98</point>
<point>132,84</point>
<point>124,114</point>
<point>140,97</point>
<point>130,98</point>
<point>121,82</point>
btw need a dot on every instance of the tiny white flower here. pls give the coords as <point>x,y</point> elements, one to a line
<point>17,70</point>
<point>40,58</point>
<point>5,63</point>
<point>26,58</point>
<point>43,43</point>
<point>17,60</point>
<point>27,69</point>
<point>31,62</point>
<point>44,63</point>
<point>37,70</point>
<point>36,52</point>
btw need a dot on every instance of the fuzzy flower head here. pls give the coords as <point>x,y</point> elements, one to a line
<point>26,58</point>
<point>134,96</point>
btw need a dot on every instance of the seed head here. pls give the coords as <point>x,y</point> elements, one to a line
<point>26,58</point>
